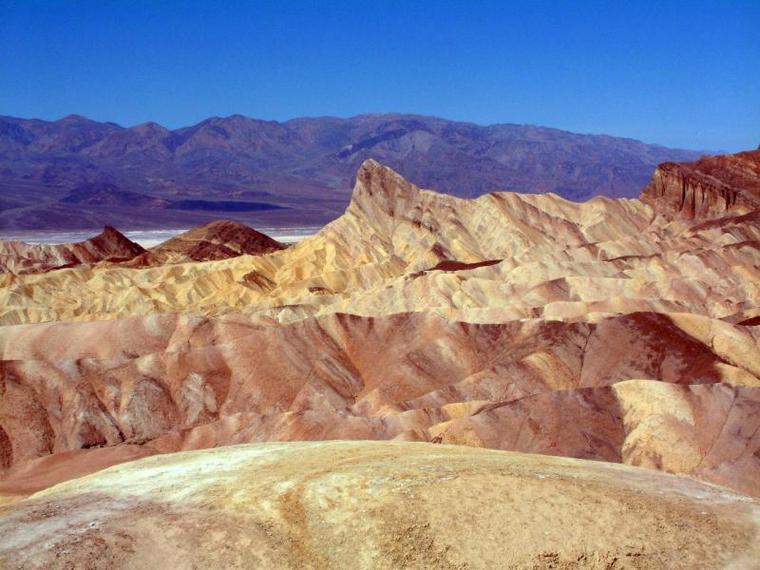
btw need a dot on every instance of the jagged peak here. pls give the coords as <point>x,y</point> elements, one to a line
<point>149,126</point>
<point>110,237</point>
<point>381,186</point>
<point>223,227</point>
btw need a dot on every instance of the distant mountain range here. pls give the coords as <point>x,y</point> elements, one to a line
<point>75,173</point>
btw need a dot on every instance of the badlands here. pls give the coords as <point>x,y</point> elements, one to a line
<point>614,331</point>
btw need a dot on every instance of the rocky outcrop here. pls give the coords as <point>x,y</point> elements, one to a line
<point>109,245</point>
<point>221,239</point>
<point>599,330</point>
<point>556,259</point>
<point>712,187</point>
<point>297,505</point>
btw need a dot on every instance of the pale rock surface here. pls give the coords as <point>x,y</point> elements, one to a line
<point>378,505</point>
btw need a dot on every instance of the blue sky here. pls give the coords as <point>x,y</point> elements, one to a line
<point>682,73</point>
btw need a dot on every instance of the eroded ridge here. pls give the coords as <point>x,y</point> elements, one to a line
<point>616,330</point>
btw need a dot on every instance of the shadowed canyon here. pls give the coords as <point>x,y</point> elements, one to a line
<point>619,335</point>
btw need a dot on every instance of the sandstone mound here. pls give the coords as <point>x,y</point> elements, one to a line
<point>221,239</point>
<point>110,245</point>
<point>378,505</point>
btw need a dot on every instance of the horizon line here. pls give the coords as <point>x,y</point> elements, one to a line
<point>79,116</point>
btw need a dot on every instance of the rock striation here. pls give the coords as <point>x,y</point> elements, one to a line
<point>546,258</point>
<point>168,383</point>
<point>109,245</point>
<point>221,239</point>
<point>614,330</point>
<point>711,187</point>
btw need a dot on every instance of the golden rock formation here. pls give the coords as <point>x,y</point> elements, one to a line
<point>398,249</point>
<point>605,330</point>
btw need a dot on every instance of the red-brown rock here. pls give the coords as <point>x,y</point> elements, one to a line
<point>711,187</point>
<point>221,239</point>
<point>109,245</point>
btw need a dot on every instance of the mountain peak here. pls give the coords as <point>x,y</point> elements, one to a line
<point>149,126</point>
<point>220,239</point>
<point>74,118</point>
<point>111,243</point>
<point>374,177</point>
<point>380,188</point>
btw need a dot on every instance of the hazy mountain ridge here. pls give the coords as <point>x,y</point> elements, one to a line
<point>304,166</point>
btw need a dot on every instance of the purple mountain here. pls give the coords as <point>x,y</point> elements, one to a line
<point>75,173</point>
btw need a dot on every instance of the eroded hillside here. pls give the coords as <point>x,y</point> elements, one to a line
<point>604,330</point>
<point>398,249</point>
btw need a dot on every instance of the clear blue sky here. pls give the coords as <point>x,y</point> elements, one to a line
<point>681,73</point>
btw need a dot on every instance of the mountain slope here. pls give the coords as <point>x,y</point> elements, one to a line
<point>109,245</point>
<point>220,239</point>
<point>303,166</point>
<point>167,382</point>
<point>598,330</point>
